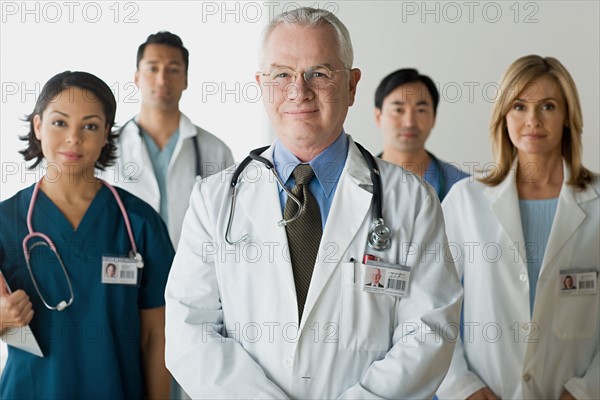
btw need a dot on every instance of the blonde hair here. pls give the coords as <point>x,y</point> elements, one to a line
<point>521,73</point>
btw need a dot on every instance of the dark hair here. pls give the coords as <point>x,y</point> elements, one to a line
<point>53,88</point>
<point>168,39</point>
<point>401,77</point>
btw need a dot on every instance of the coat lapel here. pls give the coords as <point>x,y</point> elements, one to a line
<point>569,216</point>
<point>506,209</point>
<point>260,212</point>
<point>350,206</point>
<point>136,166</point>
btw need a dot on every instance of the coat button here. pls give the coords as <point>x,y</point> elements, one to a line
<point>523,277</point>
<point>288,362</point>
<point>526,377</point>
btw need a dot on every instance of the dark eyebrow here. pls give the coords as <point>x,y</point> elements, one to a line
<point>419,103</point>
<point>67,115</point>
<point>176,62</point>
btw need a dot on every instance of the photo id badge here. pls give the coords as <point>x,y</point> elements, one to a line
<point>578,281</point>
<point>119,270</point>
<point>386,278</point>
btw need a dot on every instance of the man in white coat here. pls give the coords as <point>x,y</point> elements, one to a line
<point>161,153</point>
<point>238,322</point>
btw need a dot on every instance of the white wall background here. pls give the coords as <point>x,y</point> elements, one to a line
<point>463,46</point>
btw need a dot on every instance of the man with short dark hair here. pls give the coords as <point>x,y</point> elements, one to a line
<point>405,109</point>
<point>161,153</point>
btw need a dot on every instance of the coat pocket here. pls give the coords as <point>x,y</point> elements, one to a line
<point>576,316</point>
<point>367,319</point>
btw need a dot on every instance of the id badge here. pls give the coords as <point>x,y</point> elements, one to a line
<point>386,278</point>
<point>119,270</point>
<point>578,281</point>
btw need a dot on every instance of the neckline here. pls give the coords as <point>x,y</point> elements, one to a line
<point>45,209</point>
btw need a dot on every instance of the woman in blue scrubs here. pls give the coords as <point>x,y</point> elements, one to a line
<point>101,337</point>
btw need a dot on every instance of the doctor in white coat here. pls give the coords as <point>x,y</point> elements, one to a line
<point>161,153</point>
<point>518,233</point>
<point>233,325</point>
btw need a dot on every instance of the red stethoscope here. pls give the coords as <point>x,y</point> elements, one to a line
<point>46,241</point>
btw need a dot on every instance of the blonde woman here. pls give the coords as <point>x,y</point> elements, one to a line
<point>520,230</point>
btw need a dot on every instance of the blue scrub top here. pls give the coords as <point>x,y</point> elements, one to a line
<point>442,176</point>
<point>92,348</point>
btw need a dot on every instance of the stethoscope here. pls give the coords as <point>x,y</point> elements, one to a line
<point>378,238</point>
<point>46,241</point>
<point>194,138</point>
<point>441,177</point>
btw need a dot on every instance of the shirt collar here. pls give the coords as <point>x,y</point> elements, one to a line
<point>328,165</point>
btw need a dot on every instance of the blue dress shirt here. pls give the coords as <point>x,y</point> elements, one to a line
<point>328,166</point>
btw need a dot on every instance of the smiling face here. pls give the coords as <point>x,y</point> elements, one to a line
<point>111,270</point>
<point>537,118</point>
<point>375,276</point>
<point>72,131</point>
<point>568,282</point>
<point>406,118</point>
<point>161,76</point>
<point>306,119</point>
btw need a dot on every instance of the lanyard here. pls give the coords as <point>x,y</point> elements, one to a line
<point>46,241</point>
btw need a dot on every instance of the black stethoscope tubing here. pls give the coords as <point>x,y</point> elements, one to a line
<point>194,138</point>
<point>379,236</point>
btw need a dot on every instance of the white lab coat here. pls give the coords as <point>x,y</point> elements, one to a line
<point>232,321</point>
<point>133,169</point>
<point>516,355</point>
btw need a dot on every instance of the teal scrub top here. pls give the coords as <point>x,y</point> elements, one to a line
<point>92,348</point>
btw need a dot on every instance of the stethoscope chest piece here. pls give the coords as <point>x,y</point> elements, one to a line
<point>138,258</point>
<point>380,236</point>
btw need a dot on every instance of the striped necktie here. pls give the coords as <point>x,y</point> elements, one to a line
<point>303,234</point>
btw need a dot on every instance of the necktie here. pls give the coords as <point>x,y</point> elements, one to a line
<point>304,233</point>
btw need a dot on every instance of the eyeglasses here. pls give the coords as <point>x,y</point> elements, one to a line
<point>316,77</point>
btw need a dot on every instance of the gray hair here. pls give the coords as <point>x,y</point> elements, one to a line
<point>312,17</point>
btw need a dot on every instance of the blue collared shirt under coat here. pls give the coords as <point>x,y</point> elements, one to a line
<point>328,166</point>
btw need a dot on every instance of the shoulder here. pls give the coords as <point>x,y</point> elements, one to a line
<point>395,172</point>
<point>452,171</point>
<point>395,177</point>
<point>128,128</point>
<point>14,203</point>
<point>206,137</point>
<point>595,183</point>
<point>212,150</point>
<point>137,208</point>
<point>465,191</point>
<point>217,186</point>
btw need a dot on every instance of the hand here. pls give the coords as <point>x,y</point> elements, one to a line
<point>567,396</point>
<point>15,308</point>
<point>483,394</point>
